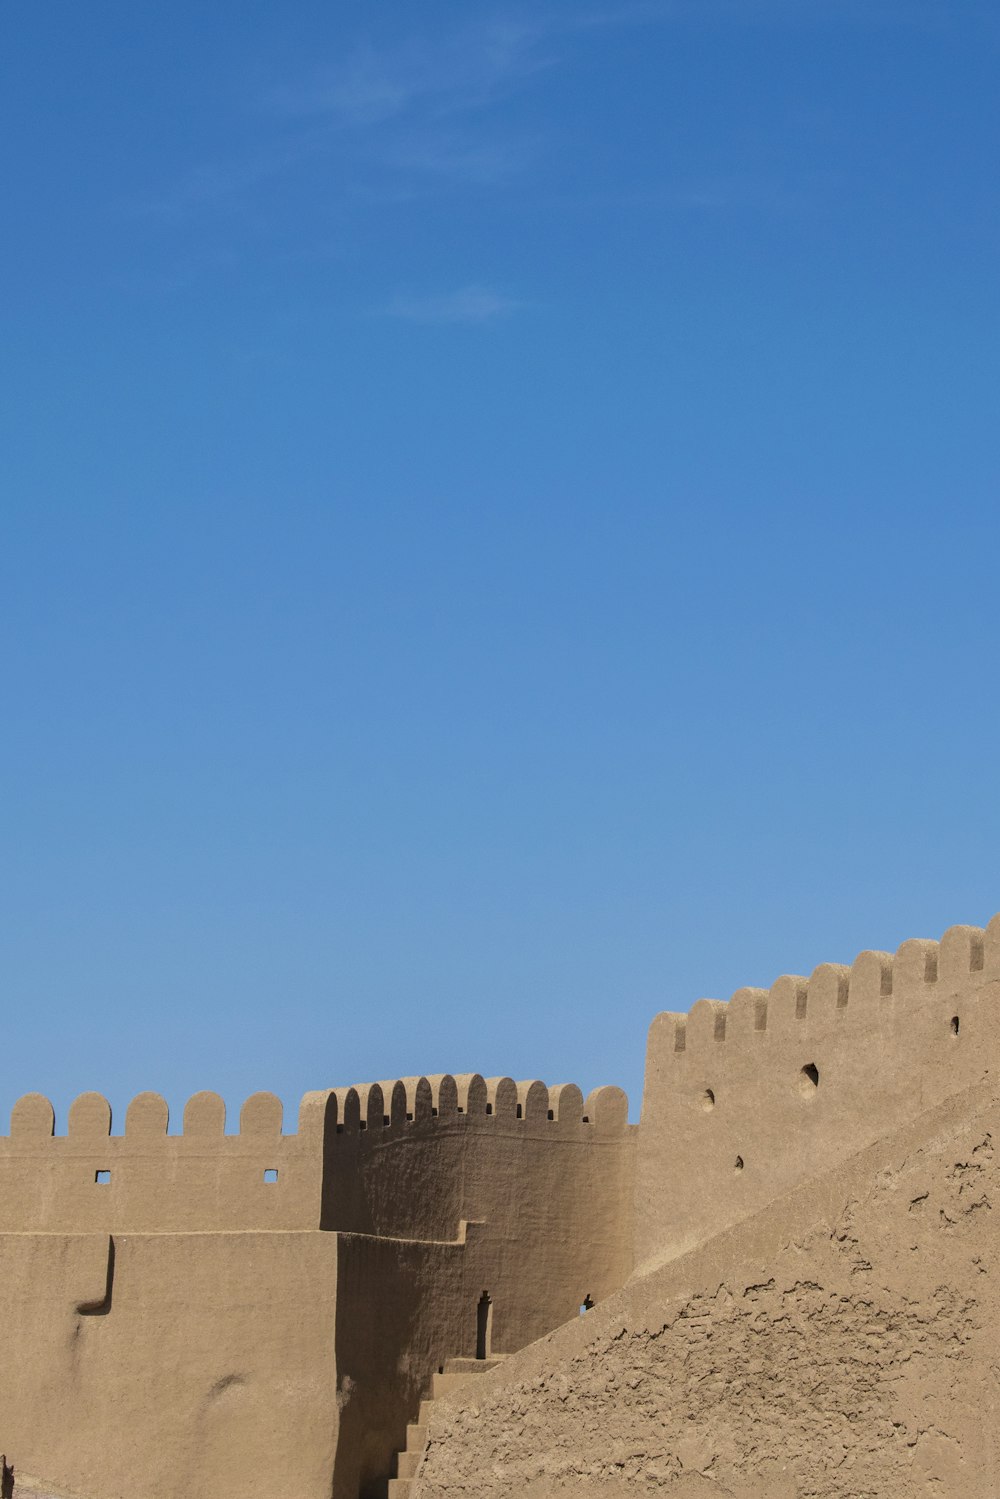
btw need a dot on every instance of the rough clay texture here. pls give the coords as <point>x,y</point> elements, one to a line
<point>840,1345</point>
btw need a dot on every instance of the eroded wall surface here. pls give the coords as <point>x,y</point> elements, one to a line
<point>841,1344</point>
<point>186,1366</point>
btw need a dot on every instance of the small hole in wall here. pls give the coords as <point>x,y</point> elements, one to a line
<point>587,1304</point>
<point>552,1113</point>
<point>739,1163</point>
<point>520,1111</point>
<point>954,1025</point>
<point>808,1079</point>
<point>708,1100</point>
<point>102,1177</point>
<point>489,1108</point>
<point>270,1175</point>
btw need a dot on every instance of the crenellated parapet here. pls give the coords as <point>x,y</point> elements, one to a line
<point>388,1108</point>
<point>146,1179</point>
<point>148,1117</point>
<point>745,1099</point>
<point>794,1005</point>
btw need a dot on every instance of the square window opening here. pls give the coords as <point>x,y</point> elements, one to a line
<point>270,1175</point>
<point>102,1178</point>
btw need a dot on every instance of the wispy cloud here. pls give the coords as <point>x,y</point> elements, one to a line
<point>469,304</point>
<point>392,119</point>
<point>469,69</point>
<point>385,119</point>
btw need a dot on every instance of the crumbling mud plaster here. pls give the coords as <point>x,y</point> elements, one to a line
<point>839,1345</point>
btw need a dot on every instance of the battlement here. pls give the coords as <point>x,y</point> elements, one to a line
<point>147,1180</point>
<point>390,1107</point>
<point>745,1099</point>
<point>835,992</point>
<point>148,1117</point>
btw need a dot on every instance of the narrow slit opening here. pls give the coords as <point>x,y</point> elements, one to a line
<point>484,1326</point>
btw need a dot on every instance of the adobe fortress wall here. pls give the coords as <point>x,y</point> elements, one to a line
<point>160,1296</point>
<point>147,1181</point>
<point>170,1366</point>
<point>743,1101</point>
<point>167,1295</point>
<point>839,1344</point>
<point>546,1173</point>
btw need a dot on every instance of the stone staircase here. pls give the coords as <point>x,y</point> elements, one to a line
<point>456,1372</point>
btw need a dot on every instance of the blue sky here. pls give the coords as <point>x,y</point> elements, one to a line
<point>499,529</point>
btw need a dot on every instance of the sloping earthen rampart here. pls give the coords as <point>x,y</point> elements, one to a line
<point>838,1344</point>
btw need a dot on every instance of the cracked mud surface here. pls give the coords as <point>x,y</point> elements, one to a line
<point>853,1354</point>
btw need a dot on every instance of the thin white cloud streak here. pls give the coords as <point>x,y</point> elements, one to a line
<point>469,304</point>
<point>386,114</point>
<point>389,124</point>
<point>468,69</point>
